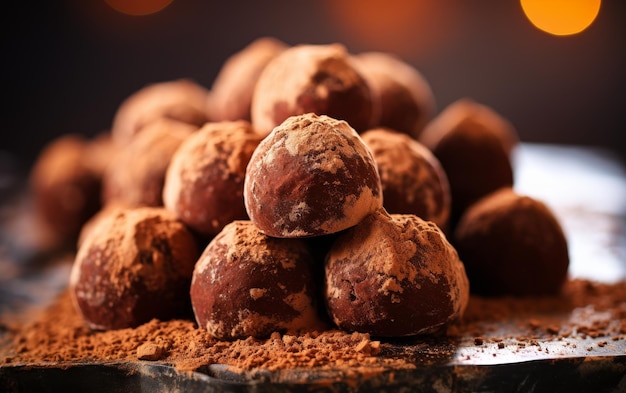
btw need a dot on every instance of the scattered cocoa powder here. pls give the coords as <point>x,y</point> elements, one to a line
<point>59,335</point>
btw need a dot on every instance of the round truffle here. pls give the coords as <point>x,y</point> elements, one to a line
<point>134,265</point>
<point>65,184</point>
<point>312,175</point>
<point>248,284</point>
<point>231,93</point>
<point>317,79</point>
<point>512,244</point>
<point>93,222</point>
<point>394,275</point>
<point>181,99</point>
<point>204,181</point>
<point>406,99</point>
<point>136,176</point>
<point>474,145</point>
<point>412,178</point>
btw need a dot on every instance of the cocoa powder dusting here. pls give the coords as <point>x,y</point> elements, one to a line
<point>59,335</point>
<point>584,309</point>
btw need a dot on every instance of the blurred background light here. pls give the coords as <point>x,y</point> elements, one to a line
<point>404,27</point>
<point>138,7</point>
<point>70,63</point>
<point>561,17</point>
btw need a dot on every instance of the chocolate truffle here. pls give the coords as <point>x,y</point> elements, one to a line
<point>65,184</point>
<point>412,178</point>
<point>512,244</point>
<point>181,99</point>
<point>133,266</point>
<point>94,220</point>
<point>136,176</point>
<point>406,99</point>
<point>204,181</point>
<point>248,284</point>
<point>231,94</point>
<point>312,175</point>
<point>317,79</point>
<point>474,145</point>
<point>394,275</point>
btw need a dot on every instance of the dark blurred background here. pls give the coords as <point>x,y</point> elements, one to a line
<point>67,65</point>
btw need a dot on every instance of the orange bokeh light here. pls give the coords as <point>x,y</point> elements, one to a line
<point>138,7</point>
<point>561,17</point>
<point>404,27</point>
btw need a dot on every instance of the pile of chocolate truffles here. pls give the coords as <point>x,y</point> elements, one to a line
<point>308,188</point>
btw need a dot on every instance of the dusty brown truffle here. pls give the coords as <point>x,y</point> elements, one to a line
<point>512,244</point>
<point>204,181</point>
<point>312,79</point>
<point>313,175</point>
<point>412,178</point>
<point>394,275</point>
<point>406,99</point>
<point>136,176</point>
<point>181,99</point>
<point>94,220</point>
<point>134,265</point>
<point>231,93</point>
<point>474,145</point>
<point>249,284</point>
<point>65,184</point>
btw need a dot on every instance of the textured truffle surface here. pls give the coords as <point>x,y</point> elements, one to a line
<point>512,244</point>
<point>231,94</point>
<point>65,183</point>
<point>405,97</point>
<point>474,145</point>
<point>313,175</point>
<point>394,275</point>
<point>137,175</point>
<point>412,178</point>
<point>312,79</point>
<point>132,266</point>
<point>205,178</point>
<point>248,284</point>
<point>181,99</point>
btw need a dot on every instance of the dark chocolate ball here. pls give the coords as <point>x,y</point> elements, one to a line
<point>412,178</point>
<point>405,97</point>
<point>205,178</point>
<point>512,244</point>
<point>180,99</point>
<point>230,97</point>
<point>317,79</point>
<point>249,284</point>
<point>394,275</point>
<point>65,184</point>
<point>137,175</point>
<point>313,175</point>
<point>474,145</point>
<point>133,265</point>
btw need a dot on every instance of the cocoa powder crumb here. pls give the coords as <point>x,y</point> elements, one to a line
<point>150,351</point>
<point>553,329</point>
<point>565,333</point>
